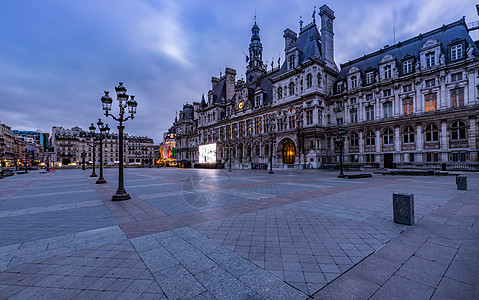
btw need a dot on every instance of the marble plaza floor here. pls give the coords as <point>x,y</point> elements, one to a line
<point>245,234</point>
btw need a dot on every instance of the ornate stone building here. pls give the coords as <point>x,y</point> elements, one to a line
<point>411,104</point>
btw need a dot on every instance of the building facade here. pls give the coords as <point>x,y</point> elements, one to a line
<point>411,104</point>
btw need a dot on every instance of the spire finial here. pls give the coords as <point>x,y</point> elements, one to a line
<point>255,16</point>
<point>314,15</point>
<point>300,23</point>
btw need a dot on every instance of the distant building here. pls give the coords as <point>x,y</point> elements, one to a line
<point>168,155</point>
<point>412,104</point>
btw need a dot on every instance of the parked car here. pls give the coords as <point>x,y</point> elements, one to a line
<point>7,172</point>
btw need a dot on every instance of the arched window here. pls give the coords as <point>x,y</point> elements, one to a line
<point>291,88</point>
<point>408,135</point>
<point>388,137</point>
<point>458,130</point>
<point>370,138</point>
<point>280,93</point>
<point>309,80</point>
<point>289,152</point>
<point>354,140</point>
<point>432,133</point>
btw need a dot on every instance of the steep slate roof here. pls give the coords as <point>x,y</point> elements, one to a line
<point>219,94</point>
<point>445,35</point>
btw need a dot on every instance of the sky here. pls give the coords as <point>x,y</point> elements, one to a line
<point>58,56</point>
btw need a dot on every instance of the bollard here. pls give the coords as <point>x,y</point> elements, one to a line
<point>461,182</point>
<point>403,207</point>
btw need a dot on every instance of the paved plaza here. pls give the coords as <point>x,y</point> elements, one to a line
<point>245,234</point>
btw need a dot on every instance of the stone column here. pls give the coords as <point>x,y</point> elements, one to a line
<point>419,143</point>
<point>378,146</point>
<point>361,145</point>
<point>444,141</point>
<point>443,94</point>
<point>397,145</point>
<point>472,138</point>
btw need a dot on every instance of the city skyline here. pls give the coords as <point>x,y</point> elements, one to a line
<point>58,58</point>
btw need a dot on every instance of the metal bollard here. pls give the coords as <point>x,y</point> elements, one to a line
<point>403,207</point>
<point>461,182</point>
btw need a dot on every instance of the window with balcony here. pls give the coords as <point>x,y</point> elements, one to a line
<point>431,102</point>
<point>432,133</point>
<point>408,106</point>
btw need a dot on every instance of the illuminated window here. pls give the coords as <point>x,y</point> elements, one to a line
<point>292,123</point>
<point>408,106</point>
<point>431,101</point>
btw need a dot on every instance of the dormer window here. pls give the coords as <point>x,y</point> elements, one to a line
<point>387,72</point>
<point>354,82</point>
<point>430,59</point>
<point>340,87</point>
<point>407,66</point>
<point>370,77</point>
<point>456,52</point>
<point>291,62</point>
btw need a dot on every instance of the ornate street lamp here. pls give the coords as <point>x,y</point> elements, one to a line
<point>93,145</point>
<point>272,138</point>
<point>83,156</point>
<point>340,136</point>
<point>104,130</point>
<point>123,102</point>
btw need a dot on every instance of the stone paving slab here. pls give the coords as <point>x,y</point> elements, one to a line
<point>213,234</point>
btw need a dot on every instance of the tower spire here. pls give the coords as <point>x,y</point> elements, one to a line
<point>255,52</point>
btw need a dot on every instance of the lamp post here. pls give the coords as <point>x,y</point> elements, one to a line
<point>340,136</point>
<point>300,134</point>
<point>93,145</point>
<point>123,102</point>
<point>83,156</point>
<point>104,129</point>
<point>26,158</point>
<point>272,137</point>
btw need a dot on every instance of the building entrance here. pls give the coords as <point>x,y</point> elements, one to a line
<point>289,152</point>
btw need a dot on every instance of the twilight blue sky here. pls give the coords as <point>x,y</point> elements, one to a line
<point>58,56</point>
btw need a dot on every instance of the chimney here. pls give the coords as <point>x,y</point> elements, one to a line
<point>327,34</point>
<point>214,82</point>
<point>230,83</point>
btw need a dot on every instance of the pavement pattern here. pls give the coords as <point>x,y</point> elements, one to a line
<point>246,234</point>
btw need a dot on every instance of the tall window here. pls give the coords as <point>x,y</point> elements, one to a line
<point>369,113</point>
<point>279,124</point>
<point>388,109</point>
<point>291,89</point>
<point>387,72</point>
<point>458,130</point>
<point>430,59</point>
<point>257,125</point>
<point>407,66</point>
<point>431,101</point>
<point>266,123</point>
<point>432,133</point>
<point>408,135</point>
<point>354,82</point>
<point>369,77</point>
<point>291,62</point>
<point>280,93</point>
<point>309,117</point>
<point>309,80</point>
<point>354,140</point>
<point>370,138</point>
<point>456,52</point>
<point>353,115</point>
<point>457,97</point>
<point>388,137</point>
<point>408,106</point>
<point>292,122</point>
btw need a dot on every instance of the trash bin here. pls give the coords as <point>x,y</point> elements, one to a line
<point>403,207</point>
<point>461,182</point>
